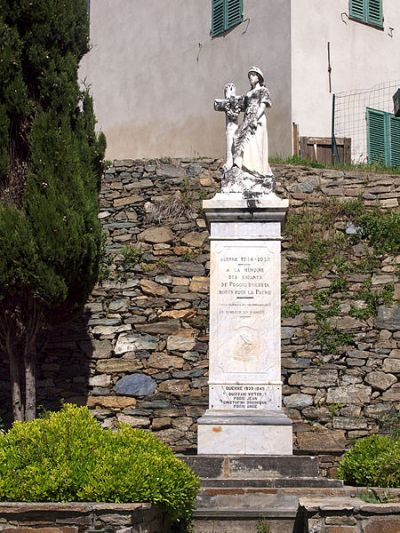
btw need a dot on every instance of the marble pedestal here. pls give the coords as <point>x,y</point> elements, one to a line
<point>245,403</point>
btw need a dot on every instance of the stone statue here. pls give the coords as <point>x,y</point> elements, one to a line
<point>247,169</point>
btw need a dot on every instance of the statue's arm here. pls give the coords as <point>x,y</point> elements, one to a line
<point>261,110</point>
<point>266,97</point>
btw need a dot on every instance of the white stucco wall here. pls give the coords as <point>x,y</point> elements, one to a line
<point>361,57</point>
<point>154,72</point>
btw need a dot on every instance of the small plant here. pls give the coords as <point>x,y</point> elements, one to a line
<point>131,255</point>
<point>374,461</point>
<point>290,309</point>
<point>334,409</point>
<point>382,229</point>
<point>181,204</point>
<point>329,337</point>
<point>68,456</point>
<point>373,299</point>
<point>262,526</point>
<point>372,496</point>
<point>188,256</point>
<point>338,285</point>
<point>159,265</point>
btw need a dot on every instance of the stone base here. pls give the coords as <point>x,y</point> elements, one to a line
<point>250,432</point>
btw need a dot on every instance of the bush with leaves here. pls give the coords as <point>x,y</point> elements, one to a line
<point>374,461</point>
<point>68,456</point>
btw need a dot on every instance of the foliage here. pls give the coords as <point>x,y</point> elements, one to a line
<point>382,229</point>
<point>377,168</point>
<point>182,204</point>
<point>262,526</point>
<point>374,461</point>
<point>67,456</point>
<point>312,232</point>
<point>131,255</point>
<point>372,299</point>
<point>334,409</point>
<point>50,170</point>
<point>329,337</point>
<point>373,496</point>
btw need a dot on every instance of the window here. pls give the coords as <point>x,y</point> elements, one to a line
<point>383,138</point>
<point>225,15</point>
<point>368,11</point>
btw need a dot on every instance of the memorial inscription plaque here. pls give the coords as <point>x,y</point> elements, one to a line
<point>243,370</point>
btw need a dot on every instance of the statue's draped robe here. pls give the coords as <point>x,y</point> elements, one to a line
<point>254,146</point>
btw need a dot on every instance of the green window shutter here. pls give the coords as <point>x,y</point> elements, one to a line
<point>376,136</point>
<point>374,12</point>
<point>234,13</point>
<point>218,17</point>
<point>394,141</point>
<point>357,9</point>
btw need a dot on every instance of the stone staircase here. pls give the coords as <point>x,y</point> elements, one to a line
<point>255,493</point>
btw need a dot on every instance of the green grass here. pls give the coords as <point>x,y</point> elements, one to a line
<point>375,168</point>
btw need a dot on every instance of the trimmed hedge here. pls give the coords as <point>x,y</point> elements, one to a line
<point>373,462</point>
<point>68,456</point>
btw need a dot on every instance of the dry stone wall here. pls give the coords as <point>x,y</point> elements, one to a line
<point>139,353</point>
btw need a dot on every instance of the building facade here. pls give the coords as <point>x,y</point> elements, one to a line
<point>155,67</point>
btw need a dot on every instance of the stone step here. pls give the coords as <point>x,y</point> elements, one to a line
<point>305,482</point>
<point>248,524</point>
<point>245,513</point>
<point>256,467</point>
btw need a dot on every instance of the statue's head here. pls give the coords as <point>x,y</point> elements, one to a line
<point>258,72</point>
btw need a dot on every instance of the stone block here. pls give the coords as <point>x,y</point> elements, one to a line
<point>184,341</point>
<point>391,364</point>
<point>128,200</point>
<point>322,440</point>
<point>195,238</point>
<point>349,423</point>
<point>378,524</point>
<point>133,342</point>
<point>136,385</point>
<point>392,394</point>
<point>183,314</point>
<point>21,529</point>
<point>351,394</point>
<point>157,235</point>
<point>297,401</point>
<point>175,386</point>
<point>340,529</point>
<point>134,421</point>
<point>388,318</point>
<point>101,380</point>
<point>116,365</point>
<point>199,284</point>
<point>381,380</point>
<point>167,327</point>
<point>111,402</point>
<point>162,360</point>
<point>152,288</point>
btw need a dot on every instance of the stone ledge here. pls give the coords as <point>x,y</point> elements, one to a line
<point>20,517</point>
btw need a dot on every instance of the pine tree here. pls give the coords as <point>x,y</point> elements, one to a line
<point>50,168</point>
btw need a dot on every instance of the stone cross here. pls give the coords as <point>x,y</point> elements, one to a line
<point>232,105</point>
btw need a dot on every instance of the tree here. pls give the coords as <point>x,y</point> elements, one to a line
<point>50,169</point>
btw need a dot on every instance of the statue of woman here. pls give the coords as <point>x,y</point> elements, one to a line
<point>250,144</point>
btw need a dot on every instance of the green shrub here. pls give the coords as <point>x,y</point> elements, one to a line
<point>373,462</point>
<point>68,456</point>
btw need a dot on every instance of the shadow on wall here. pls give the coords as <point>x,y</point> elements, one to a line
<point>62,371</point>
